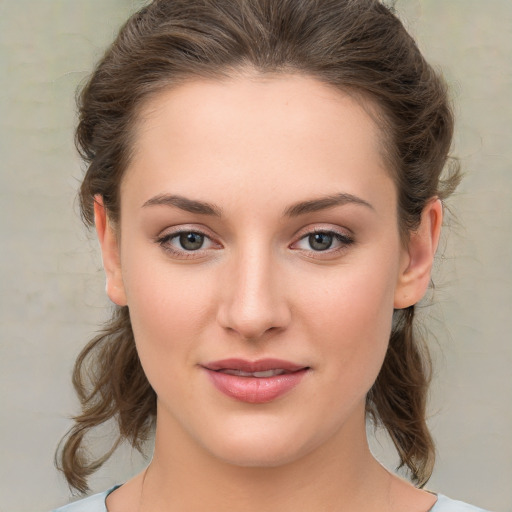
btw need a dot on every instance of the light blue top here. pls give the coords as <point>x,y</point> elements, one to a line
<point>96,503</point>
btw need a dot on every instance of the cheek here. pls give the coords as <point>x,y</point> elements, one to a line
<point>353,302</point>
<point>167,315</point>
<point>353,311</point>
<point>166,318</point>
<point>168,306</point>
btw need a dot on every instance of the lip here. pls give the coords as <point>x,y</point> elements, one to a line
<point>255,390</point>
<point>261,365</point>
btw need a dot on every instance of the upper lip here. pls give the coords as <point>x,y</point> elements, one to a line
<point>261,365</point>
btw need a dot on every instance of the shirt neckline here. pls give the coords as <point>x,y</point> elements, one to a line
<point>431,509</point>
<point>110,491</point>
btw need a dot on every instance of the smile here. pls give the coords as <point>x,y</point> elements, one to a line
<point>266,373</point>
<point>255,382</point>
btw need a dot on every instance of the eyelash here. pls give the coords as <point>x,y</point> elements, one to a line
<point>164,241</point>
<point>344,240</point>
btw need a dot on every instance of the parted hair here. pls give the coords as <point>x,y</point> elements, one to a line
<point>357,46</point>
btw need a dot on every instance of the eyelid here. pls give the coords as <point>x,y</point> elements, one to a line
<point>345,238</point>
<point>322,228</point>
<point>170,233</point>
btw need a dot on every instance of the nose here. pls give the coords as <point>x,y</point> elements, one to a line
<point>253,302</point>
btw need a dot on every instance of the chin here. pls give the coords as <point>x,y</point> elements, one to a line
<point>257,456</point>
<point>260,446</point>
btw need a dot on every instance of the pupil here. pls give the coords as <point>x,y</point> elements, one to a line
<point>320,241</point>
<point>191,241</point>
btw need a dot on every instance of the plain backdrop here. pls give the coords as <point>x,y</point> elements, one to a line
<point>52,295</point>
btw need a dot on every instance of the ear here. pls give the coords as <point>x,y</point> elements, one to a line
<point>418,257</point>
<point>110,253</point>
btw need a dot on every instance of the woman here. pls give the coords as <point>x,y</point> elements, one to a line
<point>265,182</point>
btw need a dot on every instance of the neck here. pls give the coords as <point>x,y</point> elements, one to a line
<point>339,475</point>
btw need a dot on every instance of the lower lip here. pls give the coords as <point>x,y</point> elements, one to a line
<point>255,390</point>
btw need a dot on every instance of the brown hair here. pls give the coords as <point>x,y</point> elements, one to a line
<point>354,45</point>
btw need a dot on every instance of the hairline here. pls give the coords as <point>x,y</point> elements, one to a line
<point>226,73</point>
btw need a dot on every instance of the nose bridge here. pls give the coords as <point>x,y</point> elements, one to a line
<point>255,302</point>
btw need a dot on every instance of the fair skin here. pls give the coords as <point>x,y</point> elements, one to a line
<point>253,282</point>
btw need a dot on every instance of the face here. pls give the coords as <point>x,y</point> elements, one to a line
<point>258,223</point>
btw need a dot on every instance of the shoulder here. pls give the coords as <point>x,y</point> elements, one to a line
<point>95,503</point>
<point>445,504</point>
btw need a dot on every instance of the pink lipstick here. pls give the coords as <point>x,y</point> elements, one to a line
<point>255,382</point>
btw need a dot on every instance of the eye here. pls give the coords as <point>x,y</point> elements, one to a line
<point>190,241</point>
<point>320,241</point>
<point>323,241</point>
<point>184,243</point>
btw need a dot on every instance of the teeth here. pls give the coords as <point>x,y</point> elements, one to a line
<point>266,373</point>
<point>269,373</point>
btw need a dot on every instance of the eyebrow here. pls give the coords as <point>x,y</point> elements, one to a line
<point>295,210</point>
<point>183,203</point>
<point>323,203</point>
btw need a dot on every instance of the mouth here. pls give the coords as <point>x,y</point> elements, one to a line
<point>259,375</point>
<point>255,381</point>
<point>259,368</point>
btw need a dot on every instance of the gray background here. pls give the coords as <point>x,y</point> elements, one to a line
<point>52,287</point>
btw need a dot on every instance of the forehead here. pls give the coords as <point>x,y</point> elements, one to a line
<point>258,98</point>
<point>257,130</point>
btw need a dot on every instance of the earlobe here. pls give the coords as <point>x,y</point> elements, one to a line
<point>418,259</point>
<point>110,253</point>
